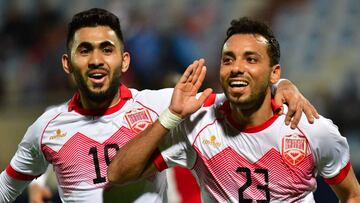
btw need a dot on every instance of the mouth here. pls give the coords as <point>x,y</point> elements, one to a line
<point>238,83</point>
<point>97,76</point>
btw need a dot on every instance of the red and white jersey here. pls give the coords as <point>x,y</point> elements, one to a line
<point>270,162</point>
<point>80,145</point>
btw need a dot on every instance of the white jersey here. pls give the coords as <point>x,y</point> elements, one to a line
<point>80,145</point>
<point>270,162</point>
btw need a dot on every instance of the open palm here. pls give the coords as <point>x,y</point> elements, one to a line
<point>184,101</point>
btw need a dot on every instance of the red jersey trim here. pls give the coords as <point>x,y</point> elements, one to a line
<point>252,129</point>
<point>339,177</point>
<point>159,161</point>
<point>210,100</point>
<point>125,94</point>
<point>17,175</point>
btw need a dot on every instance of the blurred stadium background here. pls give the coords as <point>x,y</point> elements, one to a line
<point>319,39</point>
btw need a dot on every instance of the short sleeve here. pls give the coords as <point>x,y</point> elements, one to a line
<point>28,161</point>
<point>331,152</point>
<point>176,149</point>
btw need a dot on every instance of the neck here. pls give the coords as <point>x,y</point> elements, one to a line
<point>255,115</point>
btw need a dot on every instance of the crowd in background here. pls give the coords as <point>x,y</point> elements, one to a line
<point>319,39</point>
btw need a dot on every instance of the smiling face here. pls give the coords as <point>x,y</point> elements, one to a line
<point>96,61</point>
<point>245,72</point>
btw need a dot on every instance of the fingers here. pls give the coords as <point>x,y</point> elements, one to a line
<point>192,72</point>
<point>198,72</point>
<point>295,110</point>
<point>39,193</point>
<point>204,95</point>
<point>295,116</point>
<point>200,77</point>
<point>292,108</point>
<point>310,111</point>
<point>47,193</point>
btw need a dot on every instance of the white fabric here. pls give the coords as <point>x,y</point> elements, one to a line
<point>10,188</point>
<point>221,156</point>
<point>80,147</point>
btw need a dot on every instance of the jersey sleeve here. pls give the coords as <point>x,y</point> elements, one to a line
<point>331,151</point>
<point>10,188</point>
<point>175,150</point>
<point>27,164</point>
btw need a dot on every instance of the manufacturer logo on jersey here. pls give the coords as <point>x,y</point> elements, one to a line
<point>58,134</point>
<point>138,119</point>
<point>294,148</point>
<point>212,142</point>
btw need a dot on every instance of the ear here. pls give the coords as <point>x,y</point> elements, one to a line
<point>275,73</point>
<point>66,63</point>
<point>125,62</point>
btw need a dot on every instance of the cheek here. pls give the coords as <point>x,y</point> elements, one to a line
<point>223,74</point>
<point>79,63</point>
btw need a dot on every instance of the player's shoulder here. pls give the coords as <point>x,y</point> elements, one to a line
<point>211,110</point>
<point>215,100</point>
<point>50,113</point>
<point>155,100</point>
<point>322,128</point>
<point>151,94</point>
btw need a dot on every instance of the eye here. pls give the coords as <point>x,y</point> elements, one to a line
<point>227,60</point>
<point>108,50</point>
<point>251,59</point>
<point>83,51</point>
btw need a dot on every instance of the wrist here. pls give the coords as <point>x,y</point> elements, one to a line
<point>169,120</point>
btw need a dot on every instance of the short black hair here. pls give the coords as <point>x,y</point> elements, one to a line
<point>246,25</point>
<point>92,18</point>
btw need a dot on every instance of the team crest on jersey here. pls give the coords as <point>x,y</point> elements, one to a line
<point>294,148</point>
<point>138,119</point>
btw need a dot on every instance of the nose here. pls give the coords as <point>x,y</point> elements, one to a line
<point>96,58</point>
<point>238,68</point>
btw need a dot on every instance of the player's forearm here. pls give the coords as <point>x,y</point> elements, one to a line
<point>133,161</point>
<point>348,190</point>
<point>10,188</point>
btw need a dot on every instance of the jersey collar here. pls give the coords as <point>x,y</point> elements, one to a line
<point>253,129</point>
<point>125,94</point>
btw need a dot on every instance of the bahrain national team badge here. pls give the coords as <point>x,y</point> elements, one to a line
<point>294,148</point>
<point>138,119</point>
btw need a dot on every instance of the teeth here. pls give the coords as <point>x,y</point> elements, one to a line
<point>96,75</point>
<point>239,83</point>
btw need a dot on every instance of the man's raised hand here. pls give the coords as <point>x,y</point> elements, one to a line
<point>184,101</point>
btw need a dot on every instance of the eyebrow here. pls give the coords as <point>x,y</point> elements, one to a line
<point>229,53</point>
<point>247,53</point>
<point>90,45</point>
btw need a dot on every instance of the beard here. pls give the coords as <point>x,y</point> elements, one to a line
<point>101,96</point>
<point>249,102</point>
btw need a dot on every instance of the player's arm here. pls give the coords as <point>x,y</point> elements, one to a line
<point>286,92</point>
<point>10,187</point>
<point>27,164</point>
<point>134,161</point>
<point>348,190</point>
